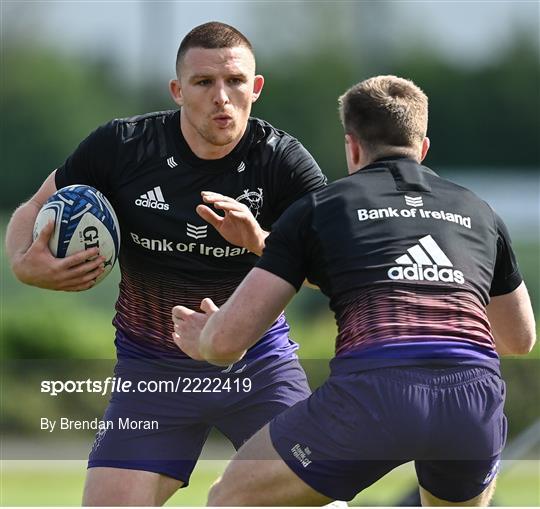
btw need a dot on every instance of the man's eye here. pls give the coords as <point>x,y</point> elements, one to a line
<point>236,81</point>
<point>203,82</point>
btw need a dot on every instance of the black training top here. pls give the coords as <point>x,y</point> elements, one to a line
<point>169,255</point>
<point>408,259</point>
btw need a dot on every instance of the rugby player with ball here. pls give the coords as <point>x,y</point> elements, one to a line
<point>167,175</point>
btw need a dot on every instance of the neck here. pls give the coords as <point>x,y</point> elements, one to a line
<point>202,148</point>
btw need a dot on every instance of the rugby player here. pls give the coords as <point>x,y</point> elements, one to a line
<point>427,293</point>
<point>153,169</point>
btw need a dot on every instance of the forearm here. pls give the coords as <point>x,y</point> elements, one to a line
<point>19,232</point>
<point>245,317</point>
<point>21,225</point>
<point>213,348</point>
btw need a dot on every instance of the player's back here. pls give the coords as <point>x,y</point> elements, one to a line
<point>407,259</point>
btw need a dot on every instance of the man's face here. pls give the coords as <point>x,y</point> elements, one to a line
<point>216,89</point>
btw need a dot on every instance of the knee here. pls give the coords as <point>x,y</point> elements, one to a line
<point>224,494</point>
<point>217,495</point>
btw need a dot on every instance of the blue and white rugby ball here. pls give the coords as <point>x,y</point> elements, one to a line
<point>83,218</point>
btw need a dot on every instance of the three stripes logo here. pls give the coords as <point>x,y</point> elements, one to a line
<point>196,232</point>
<point>171,162</point>
<point>412,201</point>
<point>241,167</point>
<point>425,261</point>
<point>152,199</point>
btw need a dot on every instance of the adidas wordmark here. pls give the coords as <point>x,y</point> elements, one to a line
<point>425,261</point>
<point>152,199</point>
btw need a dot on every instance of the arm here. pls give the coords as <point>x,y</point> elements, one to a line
<point>509,311</point>
<point>228,332</point>
<point>512,322</point>
<point>244,318</point>
<point>32,262</point>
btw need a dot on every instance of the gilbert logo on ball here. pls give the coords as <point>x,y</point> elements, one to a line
<point>83,218</point>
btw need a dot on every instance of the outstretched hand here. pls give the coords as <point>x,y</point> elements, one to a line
<point>237,225</point>
<point>188,325</point>
<point>38,267</point>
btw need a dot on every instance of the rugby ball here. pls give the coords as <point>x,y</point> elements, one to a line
<point>83,218</point>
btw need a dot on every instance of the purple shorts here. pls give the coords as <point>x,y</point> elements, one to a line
<point>357,427</point>
<point>161,422</point>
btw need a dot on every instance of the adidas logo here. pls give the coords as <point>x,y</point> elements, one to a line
<point>152,199</point>
<point>171,162</point>
<point>412,201</point>
<point>196,232</point>
<point>425,261</point>
<point>241,167</point>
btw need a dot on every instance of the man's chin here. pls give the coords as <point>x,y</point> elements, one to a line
<point>223,139</point>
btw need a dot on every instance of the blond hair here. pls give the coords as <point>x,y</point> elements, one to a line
<point>389,115</point>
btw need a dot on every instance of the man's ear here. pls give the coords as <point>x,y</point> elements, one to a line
<point>175,90</point>
<point>352,152</point>
<point>258,84</point>
<point>425,147</point>
<point>355,148</point>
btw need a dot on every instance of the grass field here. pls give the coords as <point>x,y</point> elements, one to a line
<point>60,483</point>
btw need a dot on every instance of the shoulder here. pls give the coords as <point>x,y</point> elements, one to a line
<point>465,197</point>
<point>265,135</point>
<point>130,128</point>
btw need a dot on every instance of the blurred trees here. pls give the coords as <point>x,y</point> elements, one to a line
<point>49,103</point>
<point>483,116</point>
<point>480,116</point>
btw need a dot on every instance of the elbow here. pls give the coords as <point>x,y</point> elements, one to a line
<point>17,269</point>
<point>522,345</point>
<point>527,344</point>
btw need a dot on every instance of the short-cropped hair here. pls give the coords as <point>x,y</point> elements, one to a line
<point>385,112</point>
<point>211,35</point>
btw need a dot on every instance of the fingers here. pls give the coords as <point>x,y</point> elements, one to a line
<point>209,215</point>
<point>176,339</point>
<point>229,206</point>
<point>211,197</point>
<point>45,234</point>
<point>79,287</point>
<point>87,267</point>
<point>83,276</point>
<point>208,306</point>
<point>220,201</point>
<point>181,313</point>
<point>80,258</point>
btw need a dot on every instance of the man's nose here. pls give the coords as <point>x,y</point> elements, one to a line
<point>221,96</point>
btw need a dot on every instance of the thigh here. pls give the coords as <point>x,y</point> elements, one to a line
<point>466,416</point>
<point>469,482</point>
<point>482,500</point>
<point>336,441</point>
<point>107,486</point>
<point>164,439</point>
<point>469,432</point>
<point>257,476</point>
<point>275,386</point>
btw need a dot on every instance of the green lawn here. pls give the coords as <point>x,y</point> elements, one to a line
<point>59,483</point>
